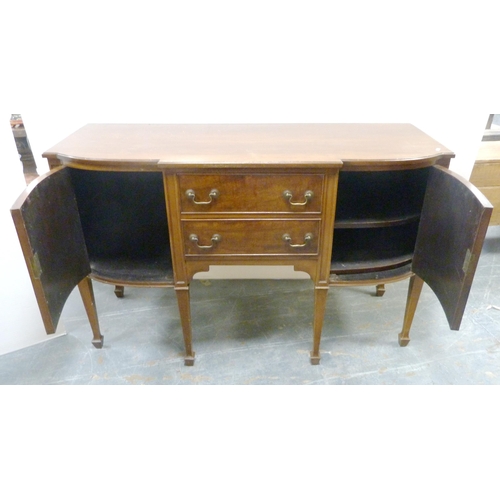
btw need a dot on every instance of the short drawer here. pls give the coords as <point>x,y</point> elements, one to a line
<point>257,193</point>
<point>251,237</point>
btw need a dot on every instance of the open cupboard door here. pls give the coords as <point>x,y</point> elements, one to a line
<point>451,233</point>
<point>49,229</point>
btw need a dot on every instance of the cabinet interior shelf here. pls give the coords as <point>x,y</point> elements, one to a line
<point>392,274</point>
<point>369,265</point>
<point>372,222</point>
<point>156,271</point>
<point>359,250</point>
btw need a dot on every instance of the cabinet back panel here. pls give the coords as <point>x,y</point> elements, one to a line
<point>380,195</point>
<point>123,214</point>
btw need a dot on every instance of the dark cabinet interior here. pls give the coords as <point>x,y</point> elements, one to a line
<point>124,222</point>
<point>377,219</point>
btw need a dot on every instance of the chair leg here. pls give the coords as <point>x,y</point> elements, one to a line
<point>119,291</point>
<point>380,290</point>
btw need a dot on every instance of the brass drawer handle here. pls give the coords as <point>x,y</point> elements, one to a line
<point>307,238</point>
<point>216,238</point>
<point>214,194</point>
<point>288,195</point>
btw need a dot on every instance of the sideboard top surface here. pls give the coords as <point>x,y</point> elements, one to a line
<point>233,144</point>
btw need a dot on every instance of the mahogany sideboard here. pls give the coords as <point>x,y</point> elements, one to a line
<point>152,205</point>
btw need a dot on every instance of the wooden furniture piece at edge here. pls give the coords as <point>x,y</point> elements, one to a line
<point>486,175</point>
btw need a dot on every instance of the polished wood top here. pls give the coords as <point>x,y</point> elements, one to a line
<point>247,144</point>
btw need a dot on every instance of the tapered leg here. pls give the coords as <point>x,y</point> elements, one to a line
<point>414,290</point>
<point>320,295</point>
<point>87,293</point>
<point>183,301</point>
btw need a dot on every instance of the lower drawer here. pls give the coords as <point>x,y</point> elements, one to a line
<point>251,237</point>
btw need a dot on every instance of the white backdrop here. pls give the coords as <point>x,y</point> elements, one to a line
<point>431,63</point>
<point>258,61</point>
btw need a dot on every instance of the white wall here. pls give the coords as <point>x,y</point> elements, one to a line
<point>70,63</point>
<point>258,61</point>
<point>66,63</point>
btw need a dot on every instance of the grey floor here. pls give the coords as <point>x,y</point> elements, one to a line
<point>259,332</point>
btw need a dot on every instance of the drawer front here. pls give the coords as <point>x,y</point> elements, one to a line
<point>257,193</point>
<point>251,237</point>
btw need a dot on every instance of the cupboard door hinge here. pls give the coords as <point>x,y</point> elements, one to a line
<point>36,268</point>
<point>468,258</point>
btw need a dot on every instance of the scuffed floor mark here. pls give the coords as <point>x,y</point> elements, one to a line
<point>409,369</point>
<point>138,379</point>
<point>195,379</point>
<point>340,353</point>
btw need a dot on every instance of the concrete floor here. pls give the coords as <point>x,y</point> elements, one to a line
<point>260,332</point>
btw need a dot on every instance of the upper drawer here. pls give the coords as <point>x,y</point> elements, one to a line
<point>257,193</point>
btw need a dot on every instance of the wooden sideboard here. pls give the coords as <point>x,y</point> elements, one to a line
<point>152,205</point>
